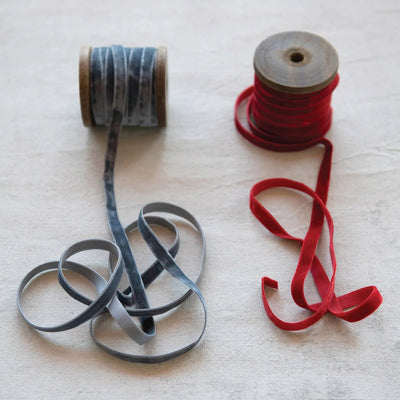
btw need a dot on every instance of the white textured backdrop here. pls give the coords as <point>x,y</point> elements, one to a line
<point>51,195</point>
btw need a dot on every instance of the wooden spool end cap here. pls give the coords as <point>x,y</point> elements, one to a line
<point>162,85</point>
<point>84,85</point>
<point>296,62</point>
<point>161,71</point>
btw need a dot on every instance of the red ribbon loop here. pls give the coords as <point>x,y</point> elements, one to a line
<point>286,122</point>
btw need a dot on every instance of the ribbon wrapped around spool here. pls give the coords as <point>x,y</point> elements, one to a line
<point>288,109</point>
<point>124,86</point>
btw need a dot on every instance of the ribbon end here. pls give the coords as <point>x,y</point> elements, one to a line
<point>265,281</point>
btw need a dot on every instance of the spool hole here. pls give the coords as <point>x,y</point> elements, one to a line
<point>296,57</point>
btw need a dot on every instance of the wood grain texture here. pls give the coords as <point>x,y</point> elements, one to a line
<point>162,85</point>
<point>84,85</point>
<point>296,62</point>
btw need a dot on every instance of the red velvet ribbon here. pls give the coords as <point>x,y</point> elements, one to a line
<point>291,122</point>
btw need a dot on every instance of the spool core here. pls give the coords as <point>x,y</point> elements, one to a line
<point>84,85</point>
<point>296,62</point>
<point>296,57</point>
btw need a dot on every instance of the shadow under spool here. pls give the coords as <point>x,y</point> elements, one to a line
<point>296,62</point>
<point>161,84</point>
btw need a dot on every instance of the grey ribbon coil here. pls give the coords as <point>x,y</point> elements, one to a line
<point>123,91</point>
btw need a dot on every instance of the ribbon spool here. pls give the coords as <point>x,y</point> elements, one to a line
<point>124,86</point>
<point>288,109</point>
<point>147,69</point>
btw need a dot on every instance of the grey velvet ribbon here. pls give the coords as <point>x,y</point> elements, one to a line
<point>123,92</point>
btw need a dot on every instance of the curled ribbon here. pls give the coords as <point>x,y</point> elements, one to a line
<point>287,122</point>
<point>111,71</point>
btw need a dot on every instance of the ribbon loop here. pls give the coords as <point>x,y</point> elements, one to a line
<point>291,122</point>
<point>123,90</point>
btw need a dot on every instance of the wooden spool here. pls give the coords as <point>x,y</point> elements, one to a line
<point>296,62</point>
<point>161,85</point>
